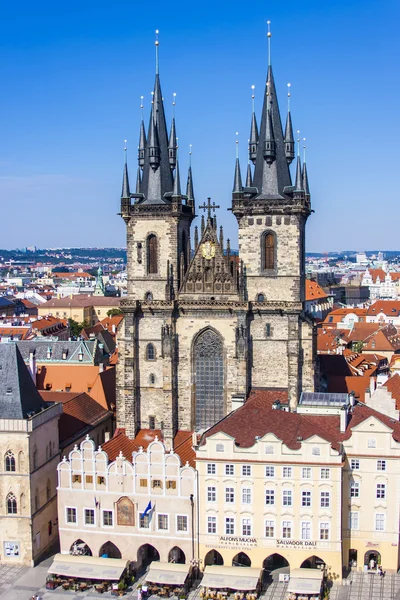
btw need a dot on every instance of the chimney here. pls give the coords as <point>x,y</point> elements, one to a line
<point>114,329</point>
<point>101,367</point>
<point>106,436</point>
<point>32,364</point>
<point>343,418</point>
<point>372,385</point>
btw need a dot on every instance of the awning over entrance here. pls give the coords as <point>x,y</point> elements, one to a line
<point>167,573</point>
<point>234,578</point>
<point>88,567</point>
<point>305,581</point>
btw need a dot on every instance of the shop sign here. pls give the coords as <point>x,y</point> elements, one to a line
<point>295,544</point>
<point>235,541</point>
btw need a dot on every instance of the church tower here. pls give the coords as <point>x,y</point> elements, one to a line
<point>272,214</point>
<point>158,217</point>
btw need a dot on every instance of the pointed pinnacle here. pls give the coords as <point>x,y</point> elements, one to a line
<point>249,178</point>
<point>125,184</point>
<point>237,183</point>
<point>289,139</point>
<point>138,182</point>
<point>299,183</point>
<point>172,145</point>
<point>189,185</point>
<point>304,178</point>
<point>142,145</point>
<point>177,182</point>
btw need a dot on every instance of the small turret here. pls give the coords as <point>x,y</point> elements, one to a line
<point>189,188</point>
<point>299,179</point>
<point>304,177</point>
<point>253,139</point>
<point>172,146</point>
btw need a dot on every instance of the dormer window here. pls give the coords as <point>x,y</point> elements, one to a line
<point>80,356</point>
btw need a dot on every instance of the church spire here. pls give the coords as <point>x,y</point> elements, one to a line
<point>249,178</point>
<point>237,182</point>
<point>289,139</point>
<point>177,182</point>
<point>271,173</point>
<point>125,179</point>
<point>253,142</point>
<point>138,189</point>
<point>304,175</point>
<point>157,180</point>
<point>299,178</point>
<point>142,139</point>
<point>172,144</point>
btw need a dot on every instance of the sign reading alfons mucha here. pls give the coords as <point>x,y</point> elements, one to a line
<point>125,512</point>
<point>234,541</point>
<point>208,250</point>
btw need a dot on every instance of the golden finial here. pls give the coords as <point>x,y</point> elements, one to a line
<point>141,106</point>
<point>253,87</point>
<point>237,145</point>
<point>289,85</point>
<point>190,155</point>
<point>125,150</point>
<point>304,150</point>
<point>298,142</point>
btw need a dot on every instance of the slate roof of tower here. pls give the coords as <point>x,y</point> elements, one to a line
<point>19,398</point>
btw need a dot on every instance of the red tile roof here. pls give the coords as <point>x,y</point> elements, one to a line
<point>82,301</point>
<point>257,418</point>
<point>80,413</point>
<point>390,308</point>
<point>375,273</point>
<point>314,290</point>
<point>121,443</point>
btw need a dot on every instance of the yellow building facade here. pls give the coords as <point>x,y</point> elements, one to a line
<point>280,489</point>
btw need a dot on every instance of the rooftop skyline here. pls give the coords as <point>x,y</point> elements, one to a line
<point>72,83</point>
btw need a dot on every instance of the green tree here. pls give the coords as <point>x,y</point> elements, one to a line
<point>113,312</point>
<point>76,327</point>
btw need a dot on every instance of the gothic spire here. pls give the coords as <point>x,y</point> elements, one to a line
<point>237,182</point>
<point>249,177</point>
<point>157,177</point>
<point>177,182</point>
<point>125,180</point>
<point>304,176</point>
<point>142,145</point>
<point>138,182</point>
<point>289,139</point>
<point>189,187</point>
<point>253,142</point>
<point>271,177</point>
<point>172,146</point>
<point>299,182</point>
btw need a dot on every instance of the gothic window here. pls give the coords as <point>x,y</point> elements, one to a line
<point>152,379</point>
<point>11,504</point>
<point>150,352</point>
<point>260,297</point>
<point>209,379</point>
<point>268,330</point>
<point>10,461</point>
<point>268,251</point>
<point>148,297</point>
<point>152,254</point>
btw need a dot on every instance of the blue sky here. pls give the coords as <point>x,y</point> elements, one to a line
<point>72,74</point>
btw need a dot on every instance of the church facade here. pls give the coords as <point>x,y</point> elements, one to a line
<point>204,325</point>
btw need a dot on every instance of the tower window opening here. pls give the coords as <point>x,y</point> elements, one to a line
<point>268,249</point>
<point>150,352</point>
<point>152,254</point>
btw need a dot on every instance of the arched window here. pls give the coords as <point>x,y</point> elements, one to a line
<point>150,352</point>
<point>10,461</point>
<point>148,297</point>
<point>260,297</point>
<point>11,504</point>
<point>152,254</point>
<point>268,250</point>
<point>48,490</point>
<point>209,380</point>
